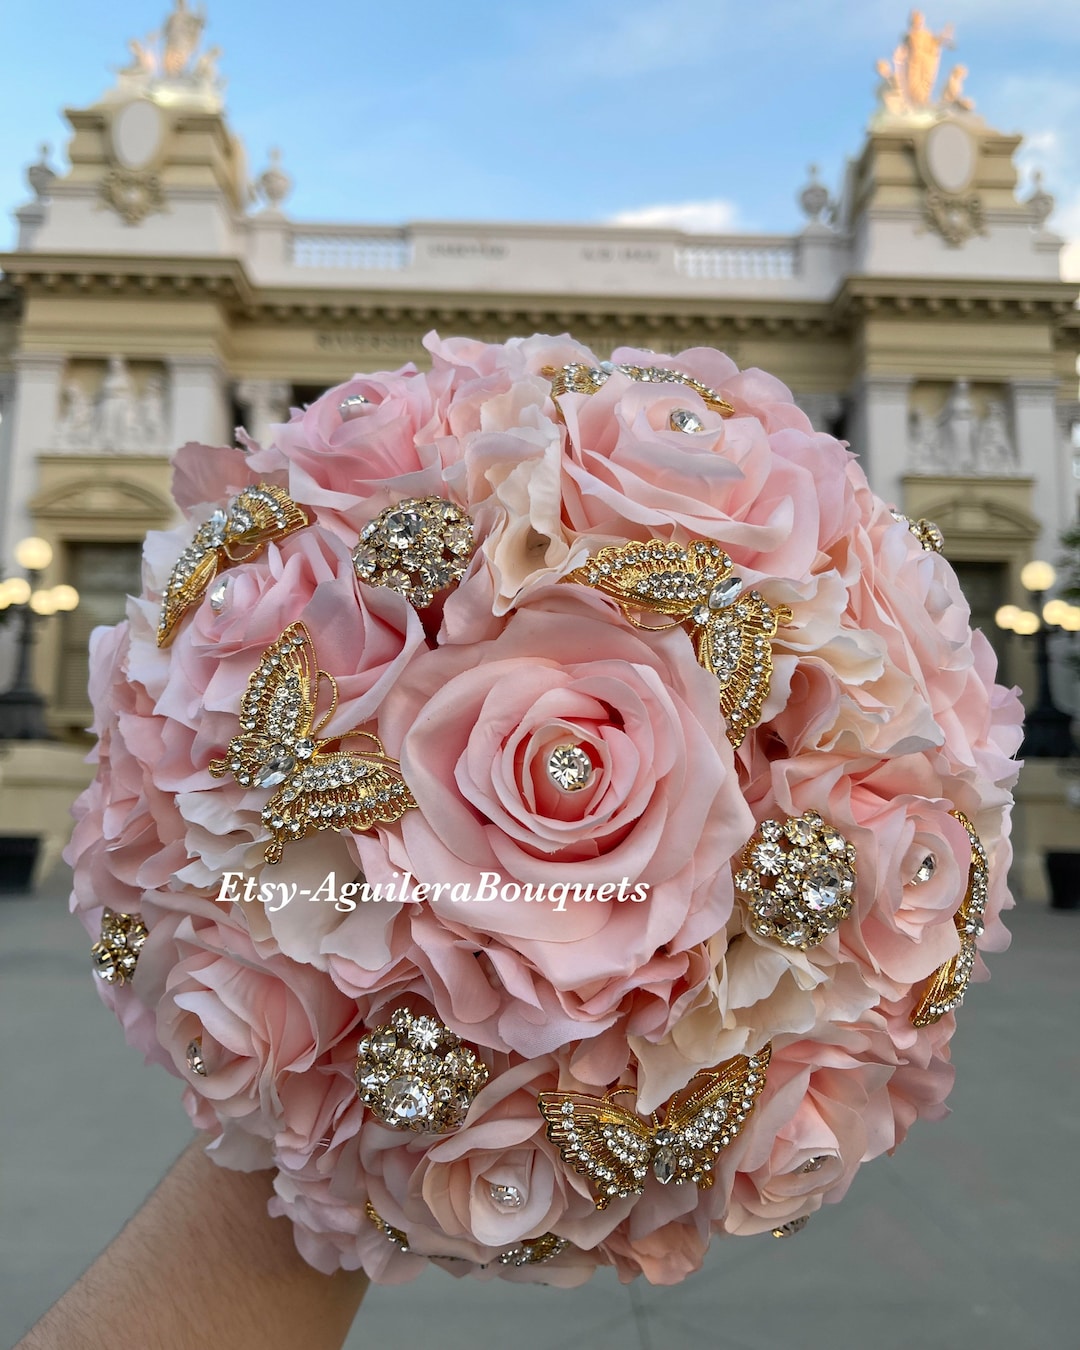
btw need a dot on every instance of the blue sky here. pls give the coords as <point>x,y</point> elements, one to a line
<point>559,111</point>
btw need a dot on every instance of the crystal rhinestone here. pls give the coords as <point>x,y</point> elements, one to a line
<point>402,527</point>
<point>664,1164</point>
<point>800,832</point>
<point>277,767</point>
<point>823,885</point>
<point>506,1197</point>
<point>383,1043</point>
<point>218,593</point>
<point>569,768</point>
<point>814,1164</point>
<point>768,858</point>
<point>790,1229</point>
<point>348,407</point>
<point>724,592</point>
<point>682,419</point>
<point>408,1099</point>
<point>458,538</point>
<point>195,1061</point>
<point>366,561</point>
<point>425,1033</point>
<point>925,870</point>
<point>216,527</point>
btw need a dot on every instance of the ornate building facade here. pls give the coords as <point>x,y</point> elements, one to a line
<point>155,295</point>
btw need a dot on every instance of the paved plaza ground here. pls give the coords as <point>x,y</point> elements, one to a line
<point>968,1238</point>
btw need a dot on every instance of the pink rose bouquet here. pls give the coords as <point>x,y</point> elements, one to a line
<point>548,810</point>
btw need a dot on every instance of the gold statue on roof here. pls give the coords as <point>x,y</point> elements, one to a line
<point>908,80</point>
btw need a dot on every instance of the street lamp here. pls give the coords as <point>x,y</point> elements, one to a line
<point>1047,729</point>
<point>22,708</point>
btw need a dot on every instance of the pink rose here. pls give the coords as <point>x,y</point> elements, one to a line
<point>475,725</point>
<point>262,1022</point>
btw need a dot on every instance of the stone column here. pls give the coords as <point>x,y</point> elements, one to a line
<point>1068,418</point>
<point>264,402</point>
<point>879,432</point>
<point>29,426</point>
<point>199,408</point>
<point>7,437</point>
<point>1042,456</point>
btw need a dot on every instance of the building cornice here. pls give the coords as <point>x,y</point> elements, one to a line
<point>958,298</point>
<point>226,281</point>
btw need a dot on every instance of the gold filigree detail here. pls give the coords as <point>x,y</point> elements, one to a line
<point>695,586</point>
<point>581,379</point>
<point>948,985</point>
<point>413,1073</point>
<point>789,1229</point>
<point>418,547</point>
<point>279,747</point>
<point>238,533</point>
<point>116,953</point>
<point>615,1150</point>
<point>797,879</point>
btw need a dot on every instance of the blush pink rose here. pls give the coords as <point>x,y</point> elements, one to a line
<point>263,1022</point>
<point>474,726</point>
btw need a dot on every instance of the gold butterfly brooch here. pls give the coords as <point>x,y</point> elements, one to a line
<point>948,985</point>
<point>234,534</point>
<point>695,586</point>
<point>279,747</point>
<point>615,1149</point>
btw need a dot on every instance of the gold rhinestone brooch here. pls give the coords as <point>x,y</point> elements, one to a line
<point>238,533</point>
<point>279,747</point>
<point>393,1235</point>
<point>531,1253</point>
<point>544,1248</point>
<point>415,1074</point>
<point>925,531</point>
<point>581,379</point>
<point>616,1150</point>
<point>116,952</point>
<point>948,985</point>
<point>731,628</point>
<point>797,879</point>
<point>418,547</point>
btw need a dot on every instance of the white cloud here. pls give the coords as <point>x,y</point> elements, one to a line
<point>714,216</point>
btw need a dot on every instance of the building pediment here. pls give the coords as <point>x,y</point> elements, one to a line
<point>969,510</point>
<point>102,497</point>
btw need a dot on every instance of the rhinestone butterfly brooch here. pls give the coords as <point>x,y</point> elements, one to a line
<point>581,379</point>
<point>695,586</point>
<point>615,1149</point>
<point>279,747</point>
<point>949,983</point>
<point>238,533</point>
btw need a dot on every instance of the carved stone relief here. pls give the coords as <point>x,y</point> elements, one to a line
<point>112,414</point>
<point>959,441</point>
